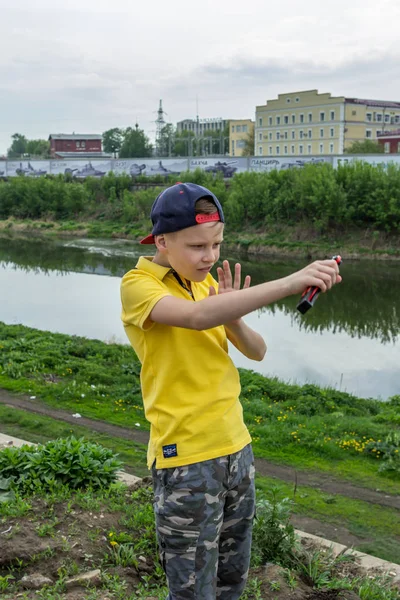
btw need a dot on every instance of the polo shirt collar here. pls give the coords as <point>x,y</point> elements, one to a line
<point>145,263</point>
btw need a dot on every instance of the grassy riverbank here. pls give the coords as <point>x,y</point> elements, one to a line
<point>306,427</point>
<point>285,240</point>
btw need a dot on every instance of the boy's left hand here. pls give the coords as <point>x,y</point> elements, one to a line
<point>227,284</point>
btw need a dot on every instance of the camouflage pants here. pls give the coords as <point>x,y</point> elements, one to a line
<point>204,517</point>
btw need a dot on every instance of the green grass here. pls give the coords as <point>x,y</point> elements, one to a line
<point>379,526</point>
<point>39,429</point>
<point>303,426</point>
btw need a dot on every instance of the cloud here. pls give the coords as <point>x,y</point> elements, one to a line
<point>94,65</point>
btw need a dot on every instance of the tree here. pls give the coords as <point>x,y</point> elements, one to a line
<point>40,148</point>
<point>249,142</point>
<point>112,140</point>
<point>18,146</point>
<point>365,147</point>
<point>136,144</point>
<point>165,146</point>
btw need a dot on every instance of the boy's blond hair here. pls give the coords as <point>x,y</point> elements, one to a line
<point>205,206</point>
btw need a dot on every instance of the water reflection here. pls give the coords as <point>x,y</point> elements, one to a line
<point>365,305</point>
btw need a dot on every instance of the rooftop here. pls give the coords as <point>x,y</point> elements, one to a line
<point>381,103</point>
<point>75,136</point>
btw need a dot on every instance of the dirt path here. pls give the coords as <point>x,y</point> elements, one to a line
<point>321,481</point>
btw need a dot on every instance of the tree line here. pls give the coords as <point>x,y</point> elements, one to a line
<point>353,195</point>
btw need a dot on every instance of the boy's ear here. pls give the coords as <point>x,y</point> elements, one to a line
<point>160,243</point>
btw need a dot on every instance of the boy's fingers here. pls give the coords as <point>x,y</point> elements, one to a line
<point>227,274</point>
<point>221,277</point>
<point>212,291</point>
<point>238,276</point>
<point>247,282</point>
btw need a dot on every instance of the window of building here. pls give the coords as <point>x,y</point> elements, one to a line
<point>379,117</point>
<point>270,149</point>
<point>244,128</point>
<point>309,149</point>
<point>387,118</point>
<point>331,148</point>
<point>270,136</point>
<point>369,117</point>
<point>286,119</point>
<point>293,135</point>
<point>332,115</point>
<point>260,151</point>
<point>238,128</point>
<point>233,129</point>
<point>322,116</point>
<point>292,149</point>
<point>278,120</point>
<point>301,149</point>
<point>293,119</point>
<point>286,135</point>
<point>332,132</point>
<point>233,147</point>
<point>321,148</point>
<point>285,149</point>
<point>260,121</point>
<point>270,121</point>
<point>310,133</point>
<point>398,146</point>
<point>368,133</point>
<point>397,119</point>
<point>378,132</point>
<point>287,100</point>
<point>297,100</point>
<point>240,143</point>
<point>260,137</point>
<point>310,117</point>
<point>321,133</point>
<point>78,144</point>
<point>301,133</point>
<point>301,118</point>
<point>277,149</point>
<point>387,147</point>
<point>83,144</point>
<point>278,135</point>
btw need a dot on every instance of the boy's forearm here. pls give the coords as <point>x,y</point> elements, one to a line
<point>224,308</point>
<point>244,338</point>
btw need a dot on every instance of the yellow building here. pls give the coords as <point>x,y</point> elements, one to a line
<point>307,122</point>
<point>239,130</point>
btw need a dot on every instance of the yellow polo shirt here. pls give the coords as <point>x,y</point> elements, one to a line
<point>190,385</point>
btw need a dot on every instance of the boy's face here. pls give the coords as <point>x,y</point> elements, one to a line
<point>192,251</point>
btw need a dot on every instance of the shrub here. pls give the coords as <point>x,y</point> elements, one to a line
<point>273,535</point>
<point>73,462</point>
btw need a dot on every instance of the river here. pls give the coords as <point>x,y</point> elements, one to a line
<point>349,340</point>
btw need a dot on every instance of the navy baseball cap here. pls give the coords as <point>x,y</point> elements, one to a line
<point>174,209</point>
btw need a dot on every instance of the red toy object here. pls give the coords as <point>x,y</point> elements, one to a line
<point>311,293</point>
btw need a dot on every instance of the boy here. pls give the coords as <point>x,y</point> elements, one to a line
<point>178,320</point>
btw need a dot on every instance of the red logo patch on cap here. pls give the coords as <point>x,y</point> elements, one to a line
<point>208,218</point>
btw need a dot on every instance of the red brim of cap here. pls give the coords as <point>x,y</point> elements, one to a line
<point>148,240</point>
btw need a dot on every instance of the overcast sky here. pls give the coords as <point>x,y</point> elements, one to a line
<point>89,65</point>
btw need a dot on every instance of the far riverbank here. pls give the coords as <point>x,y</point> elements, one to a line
<point>277,241</point>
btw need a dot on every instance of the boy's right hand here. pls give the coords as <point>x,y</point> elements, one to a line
<point>322,273</point>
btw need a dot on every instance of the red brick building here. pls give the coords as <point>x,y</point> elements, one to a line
<point>390,140</point>
<point>76,146</point>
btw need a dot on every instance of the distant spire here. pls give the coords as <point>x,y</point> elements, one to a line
<point>160,123</point>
